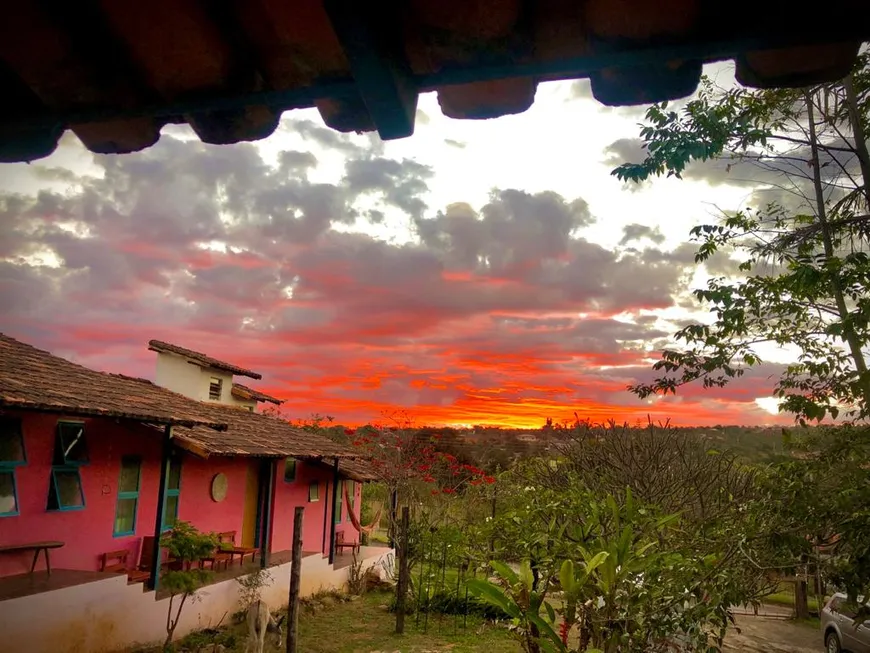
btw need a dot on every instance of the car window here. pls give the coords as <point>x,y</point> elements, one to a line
<point>848,609</point>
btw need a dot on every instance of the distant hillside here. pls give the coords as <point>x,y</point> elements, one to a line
<point>494,447</point>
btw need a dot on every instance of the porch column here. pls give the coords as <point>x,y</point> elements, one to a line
<point>166,450</point>
<point>335,505</point>
<point>267,511</point>
<point>325,515</point>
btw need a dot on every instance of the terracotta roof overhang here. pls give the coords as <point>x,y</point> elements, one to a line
<point>244,392</point>
<point>201,359</point>
<point>33,379</point>
<point>257,435</point>
<point>86,411</point>
<point>115,73</point>
<point>358,470</point>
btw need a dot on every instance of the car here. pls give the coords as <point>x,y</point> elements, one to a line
<point>839,628</point>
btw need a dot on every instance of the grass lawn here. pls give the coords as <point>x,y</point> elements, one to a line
<point>363,626</point>
<point>786,598</point>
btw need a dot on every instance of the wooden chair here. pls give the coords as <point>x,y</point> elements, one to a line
<point>341,544</point>
<point>116,562</point>
<point>146,557</point>
<point>221,554</point>
<point>229,538</point>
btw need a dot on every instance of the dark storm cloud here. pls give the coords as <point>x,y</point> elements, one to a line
<point>624,150</point>
<point>634,231</point>
<point>400,183</point>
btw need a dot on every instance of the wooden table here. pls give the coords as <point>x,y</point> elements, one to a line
<point>36,547</point>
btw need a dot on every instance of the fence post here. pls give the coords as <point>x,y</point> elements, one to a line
<point>402,585</point>
<point>295,569</point>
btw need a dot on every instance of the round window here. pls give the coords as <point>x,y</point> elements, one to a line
<point>219,486</point>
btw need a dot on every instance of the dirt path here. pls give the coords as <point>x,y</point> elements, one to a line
<point>771,633</point>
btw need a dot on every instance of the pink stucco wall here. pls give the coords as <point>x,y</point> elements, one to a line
<point>87,533</point>
<point>290,495</point>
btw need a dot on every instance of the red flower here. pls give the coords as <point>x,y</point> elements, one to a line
<point>449,490</point>
<point>489,479</point>
<point>476,482</point>
<point>349,431</point>
<point>434,492</point>
<point>428,479</point>
<point>425,468</point>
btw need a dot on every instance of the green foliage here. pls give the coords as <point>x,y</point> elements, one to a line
<point>444,602</point>
<point>187,545</point>
<point>822,498</point>
<point>251,586</point>
<point>615,575</point>
<point>184,542</point>
<point>804,274</point>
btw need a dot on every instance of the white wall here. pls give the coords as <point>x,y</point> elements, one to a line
<point>110,615</point>
<point>246,403</point>
<point>176,374</point>
<point>206,374</point>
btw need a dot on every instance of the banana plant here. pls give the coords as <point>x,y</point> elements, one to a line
<point>515,594</point>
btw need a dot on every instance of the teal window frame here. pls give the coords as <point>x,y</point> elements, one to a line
<point>351,490</point>
<point>63,465</point>
<point>65,469</point>
<point>290,463</point>
<point>60,458</point>
<point>338,502</point>
<point>128,495</point>
<point>313,491</point>
<point>172,492</point>
<point>10,472</point>
<point>13,426</point>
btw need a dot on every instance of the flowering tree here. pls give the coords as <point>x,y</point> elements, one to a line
<point>405,459</point>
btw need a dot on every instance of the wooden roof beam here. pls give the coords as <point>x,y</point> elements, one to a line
<point>370,40</point>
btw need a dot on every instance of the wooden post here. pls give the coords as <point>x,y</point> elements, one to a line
<point>295,569</point>
<point>404,571</point>
<point>325,516</point>
<point>394,503</point>
<point>267,509</point>
<point>336,497</point>
<point>165,452</point>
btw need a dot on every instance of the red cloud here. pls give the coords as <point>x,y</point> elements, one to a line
<point>474,322</point>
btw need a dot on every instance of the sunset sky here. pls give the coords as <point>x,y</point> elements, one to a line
<point>477,272</point>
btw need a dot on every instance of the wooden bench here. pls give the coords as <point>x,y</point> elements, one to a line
<point>116,562</point>
<point>36,547</point>
<point>341,544</point>
<point>229,538</point>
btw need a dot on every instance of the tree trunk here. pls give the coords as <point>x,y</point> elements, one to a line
<point>858,136</point>
<point>801,607</point>
<point>849,335</point>
<point>404,571</point>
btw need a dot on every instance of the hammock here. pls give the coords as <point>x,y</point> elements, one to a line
<point>355,521</point>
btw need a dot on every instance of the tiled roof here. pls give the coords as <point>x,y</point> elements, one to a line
<point>255,434</point>
<point>244,392</point>
<point>201,359</point>
<point>359,470</point>
<point>34,379</point>
<point>117,72</point>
